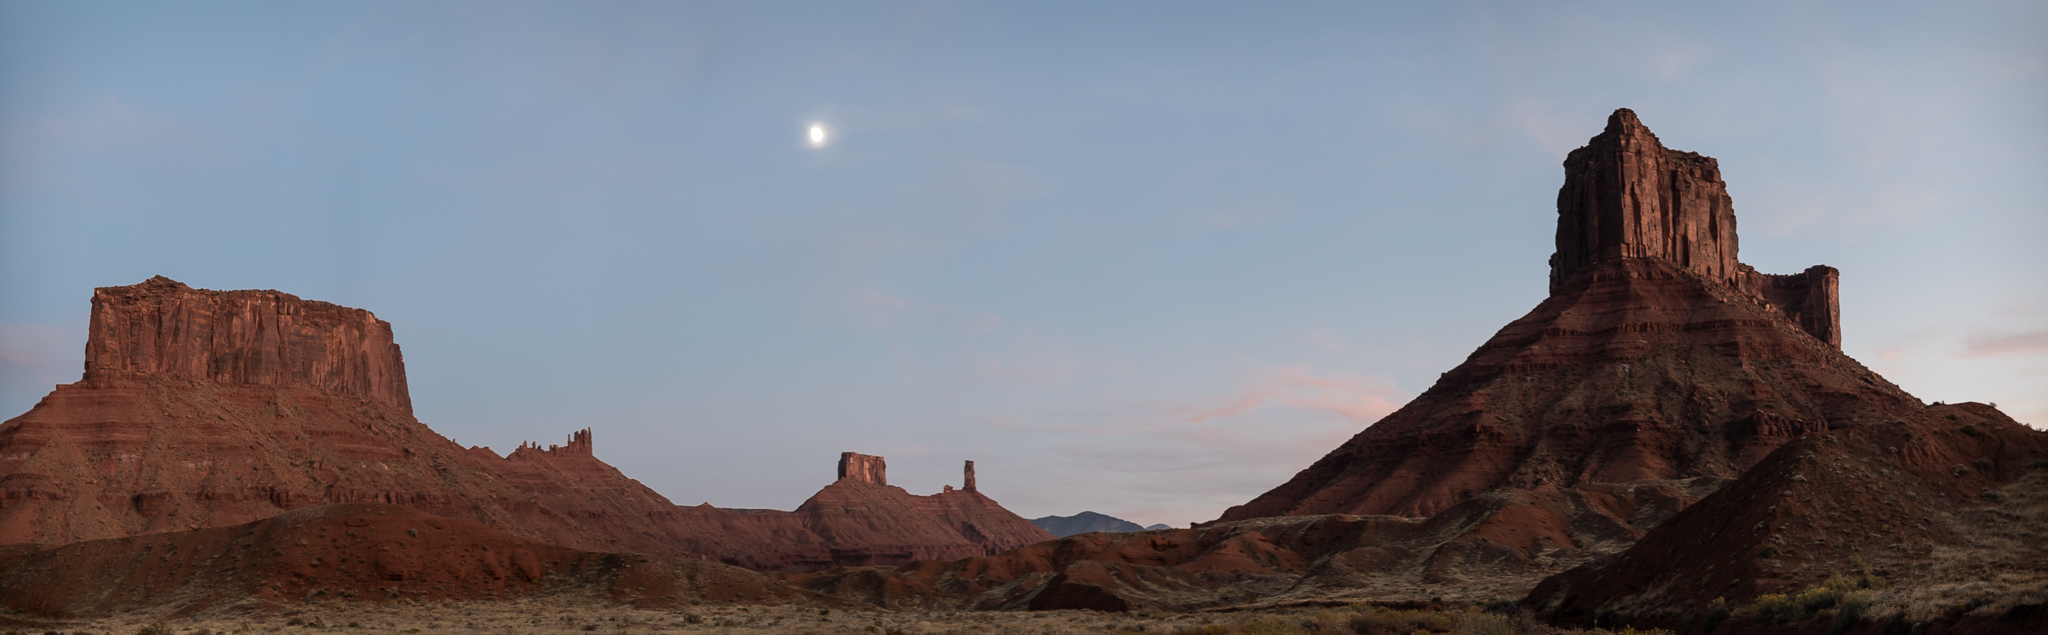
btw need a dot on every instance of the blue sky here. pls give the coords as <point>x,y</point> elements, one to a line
<point>1146,259</point>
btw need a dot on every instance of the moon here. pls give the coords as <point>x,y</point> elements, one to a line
<point>817,135</point>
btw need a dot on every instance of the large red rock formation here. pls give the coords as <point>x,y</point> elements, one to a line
<point>1656,356</point>
<point>207,408</point>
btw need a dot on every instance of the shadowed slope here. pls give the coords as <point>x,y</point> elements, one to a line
<point>1948,505</point>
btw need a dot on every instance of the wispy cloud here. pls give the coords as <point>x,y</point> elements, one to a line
<point>38,351</point>
<point>1240,217</point>
<point>1204,454</point>
<point>1355,398</point>
<point>875,308</point>
<point>1997,344</point>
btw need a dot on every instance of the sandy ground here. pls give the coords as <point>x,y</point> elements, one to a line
<point>570,616</point>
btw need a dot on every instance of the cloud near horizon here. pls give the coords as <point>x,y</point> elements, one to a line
<point>1228,448</point>
<point>1999,344</point>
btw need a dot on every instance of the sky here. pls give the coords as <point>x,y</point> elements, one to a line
<point>1147,259</point>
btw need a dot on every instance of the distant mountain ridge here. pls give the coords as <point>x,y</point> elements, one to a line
<point>1084,522</point>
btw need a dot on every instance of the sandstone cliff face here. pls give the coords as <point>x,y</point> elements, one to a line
<point>863,468</point>
<point>263,338</point>
<point>1656,356</point>
<point>1625,195</point>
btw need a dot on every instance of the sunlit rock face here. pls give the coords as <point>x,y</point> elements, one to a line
<point>261,338</point>
<point>864,468</point>
<point>1658,355</point>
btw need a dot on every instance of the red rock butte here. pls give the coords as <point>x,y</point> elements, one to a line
<point>1657,355</point>
<point>203,409</point>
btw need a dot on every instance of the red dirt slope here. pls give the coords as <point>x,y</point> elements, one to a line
<point>361,552</point>
<point>1948,505</point>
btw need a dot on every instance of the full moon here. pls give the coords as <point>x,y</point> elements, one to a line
<point>817,135</point>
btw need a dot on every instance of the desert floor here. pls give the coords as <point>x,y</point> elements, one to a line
<point>566,616</point>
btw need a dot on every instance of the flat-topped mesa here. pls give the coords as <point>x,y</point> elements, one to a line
<point>1625,195</point>
<point>863,468</point>
<point>242,337</point>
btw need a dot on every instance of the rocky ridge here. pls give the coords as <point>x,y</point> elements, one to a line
<point>1084,522</point>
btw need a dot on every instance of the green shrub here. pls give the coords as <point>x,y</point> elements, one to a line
<point>1847,598</point>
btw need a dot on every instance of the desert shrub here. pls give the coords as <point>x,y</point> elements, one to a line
<point>1846,598</point>
<point>158,627</point>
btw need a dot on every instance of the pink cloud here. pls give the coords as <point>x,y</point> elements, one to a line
<point>47,353</point>
<point>1244,402</point>
<point>877,309</point>
<point>1991,345</point>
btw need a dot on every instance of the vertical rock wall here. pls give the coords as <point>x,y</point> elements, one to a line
<point>1625,195</point>
<point>242,337</point>
<point>863,468</point>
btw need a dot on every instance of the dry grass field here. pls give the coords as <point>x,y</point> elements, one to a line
<point>574,615</point>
